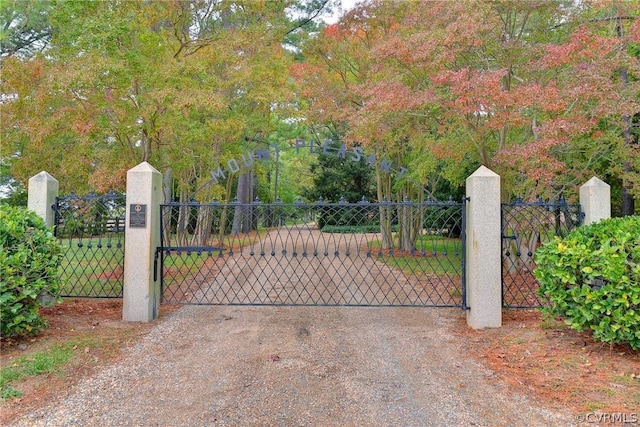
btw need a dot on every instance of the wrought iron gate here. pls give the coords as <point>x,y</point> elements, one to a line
<point>91,230</point>
<point>360,254</point>
<point>525,226</point>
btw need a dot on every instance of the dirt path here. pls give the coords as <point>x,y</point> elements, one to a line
<point>330,366</point>
<point>297,366</point>
<point>303,266</point>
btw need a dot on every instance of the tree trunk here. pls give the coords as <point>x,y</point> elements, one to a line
<point>184,214</point>
<point>406,219</point>
<point>202,230</point>
<point>223,215</point>
<point>242,212</point>
<point>628,201</point>
<point>167,184</point>
<point>386,212</point>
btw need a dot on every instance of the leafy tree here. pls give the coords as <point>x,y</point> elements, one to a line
<point>12,192</point>
<point>184,85</point>
<point>25,28</point>
<point>590,135</point>
<point>524,88</point>
<point>338,62</point>
<point>288,175</point>
<point>336,177</point>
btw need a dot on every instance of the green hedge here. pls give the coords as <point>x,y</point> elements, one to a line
<point>30,258</point>
<point>356,229</point>
<point>592,279</point>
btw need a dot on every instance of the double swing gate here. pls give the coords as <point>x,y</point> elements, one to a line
<point>384,254</point>
<point>335,254</point>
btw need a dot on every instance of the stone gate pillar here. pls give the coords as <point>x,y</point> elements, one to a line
<point>42,193</point>
<point>483,254</point>
<point>141,295</point>
<point>595,200</point>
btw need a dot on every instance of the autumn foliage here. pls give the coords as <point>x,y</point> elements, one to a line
<point>534,90</point>
<point>544,92</point>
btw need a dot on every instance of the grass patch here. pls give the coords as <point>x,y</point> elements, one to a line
<point>52,360</point>
<point>41,363</point>
<point>92,267</point>
<point>184,264</point>
<point>627,380</point>
<point>431,244</point>
<point>549,322</point>
<point>433,255</point>
<point>449,265</point>
<point>593,406</point>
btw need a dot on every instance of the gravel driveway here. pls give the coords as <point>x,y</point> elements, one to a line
<point>295,366</point>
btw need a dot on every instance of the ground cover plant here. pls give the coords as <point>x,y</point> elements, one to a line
<point>83,335</point>
<point>40,363</point>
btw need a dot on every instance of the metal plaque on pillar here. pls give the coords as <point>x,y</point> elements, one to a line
<point>137,216</point>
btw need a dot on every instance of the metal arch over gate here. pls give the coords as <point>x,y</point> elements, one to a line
<point>336,254</point>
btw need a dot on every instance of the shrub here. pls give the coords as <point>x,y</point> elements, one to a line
<point>592,279</point>
<point>350,215</point>
<point>30,258</point>
<point>353,229</point>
